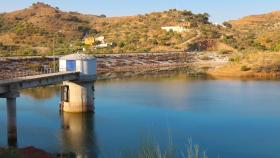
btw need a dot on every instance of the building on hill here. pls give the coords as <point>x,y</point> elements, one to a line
<point>89,40</point>
<point>101,39</point>
<point>187,24</point>
<point>178,29</point>
<point>103,45</point>
<point>99,42</point>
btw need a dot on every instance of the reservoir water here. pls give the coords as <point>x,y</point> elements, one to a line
<point>227,118</point>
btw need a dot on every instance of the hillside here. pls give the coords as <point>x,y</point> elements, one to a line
<point>257,38</point>
<point>258,31</point>
<point>143,33</point>
<point>35,29</point>
<point>40,27</point>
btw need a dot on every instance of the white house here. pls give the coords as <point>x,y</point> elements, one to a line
<point>178,29</point>
<point>78,62</point>
<point>100,39</point>
<point>103,45</point>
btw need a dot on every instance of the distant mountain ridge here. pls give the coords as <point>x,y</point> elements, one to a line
<point>41,29</point>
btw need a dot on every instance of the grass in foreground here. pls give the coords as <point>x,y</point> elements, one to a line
<point>153,150</point>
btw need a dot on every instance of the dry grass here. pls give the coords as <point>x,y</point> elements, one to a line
<point>251,64</point>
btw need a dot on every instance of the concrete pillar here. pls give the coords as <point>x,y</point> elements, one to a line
<point>77,97</point>
<point>78,134</point>
<point>12,122</point>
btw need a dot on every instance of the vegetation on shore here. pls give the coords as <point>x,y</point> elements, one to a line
<point>254,63</point>
<point>153,150</point>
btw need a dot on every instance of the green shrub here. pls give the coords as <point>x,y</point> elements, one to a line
<point>245,68</point>
<point>235,59</point>
<point>225,51</point>
<point>276,47</point>
<point>121,44</point>
<point>227,24</point>
<point>29,52</point>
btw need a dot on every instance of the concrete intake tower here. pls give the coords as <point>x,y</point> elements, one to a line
<point>78,95</point>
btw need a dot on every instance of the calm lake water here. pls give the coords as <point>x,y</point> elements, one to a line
<point>227,118</point>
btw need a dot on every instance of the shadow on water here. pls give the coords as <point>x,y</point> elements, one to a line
<point>42,93</point>
<point>77,135</point>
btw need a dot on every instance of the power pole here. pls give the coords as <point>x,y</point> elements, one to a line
<point>53,54</point>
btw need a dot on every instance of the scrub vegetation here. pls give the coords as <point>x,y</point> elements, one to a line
<point>40,28</point>
<point>251,43</point>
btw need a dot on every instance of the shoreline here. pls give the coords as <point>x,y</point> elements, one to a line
<point>122,65</point>
<point>244,74</point>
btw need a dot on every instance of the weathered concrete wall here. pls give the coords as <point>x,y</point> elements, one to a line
<point>81,97</point>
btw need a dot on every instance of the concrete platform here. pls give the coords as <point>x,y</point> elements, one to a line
<point>36,81</point>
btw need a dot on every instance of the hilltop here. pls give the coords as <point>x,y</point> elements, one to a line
<point>40,27</point>
<point>34,30</point>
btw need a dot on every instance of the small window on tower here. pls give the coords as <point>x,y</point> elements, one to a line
<point>65,93</point>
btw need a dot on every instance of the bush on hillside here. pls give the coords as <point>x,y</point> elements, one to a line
<point>276,47</point>
<point>72,18</point>
<point>245,68</point>
<point>225,51</point>
<point>29,52</point>
<point>227,24</point>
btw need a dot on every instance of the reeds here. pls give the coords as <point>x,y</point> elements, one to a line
<point>153,150</point>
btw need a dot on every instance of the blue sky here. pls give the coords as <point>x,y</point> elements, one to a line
<point>220,10</point>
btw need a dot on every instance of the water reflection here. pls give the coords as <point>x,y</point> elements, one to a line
<point>78,134</point>
<point>11,123</point>
<point>42,93</point>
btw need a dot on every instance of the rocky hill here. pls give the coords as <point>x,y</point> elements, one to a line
<point>40,28</point>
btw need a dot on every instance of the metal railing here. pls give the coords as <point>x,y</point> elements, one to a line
<point>6,75</point>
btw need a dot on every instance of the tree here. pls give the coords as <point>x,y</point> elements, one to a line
<point>187,13</point>
<point>83,29</point>
<point>102,16</point>
<point>203,18</point>
<point>227,24</point>
<point>206,17</point>
<point>121,44</point>
<point>93,31</point>
<point>1,22</point>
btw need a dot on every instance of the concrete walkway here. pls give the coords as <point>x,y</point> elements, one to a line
<point>36,77</point>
